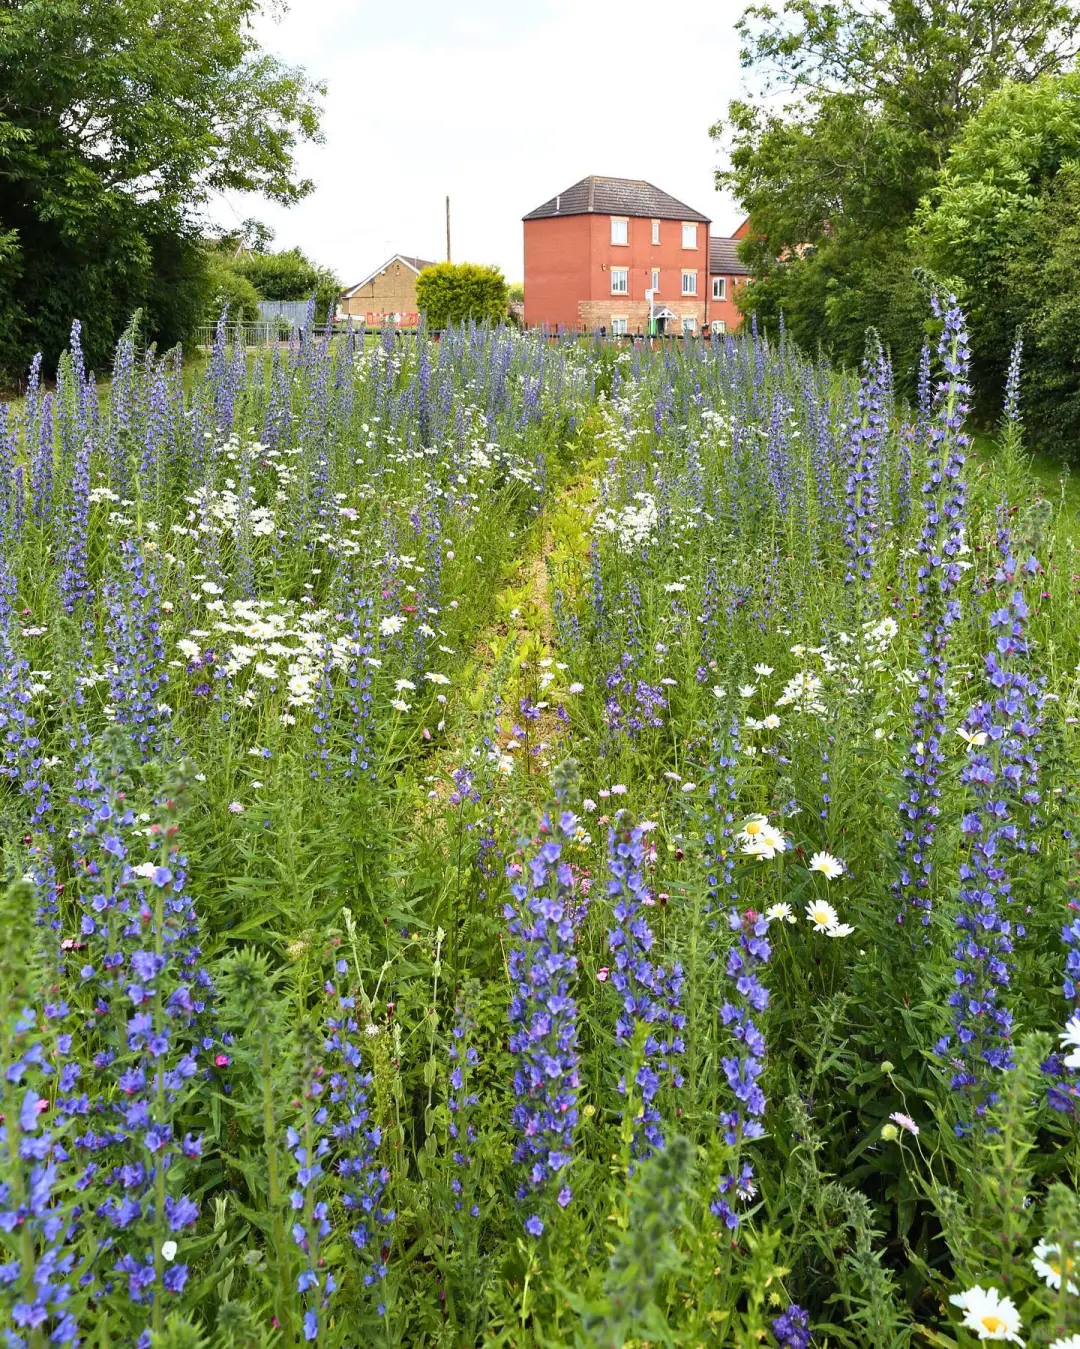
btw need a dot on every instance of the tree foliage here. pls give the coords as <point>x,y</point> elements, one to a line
<point>1000,227</point>
<point>227,288</point>
<point>117,119</point>
<point>858,107</point>
<point>454,292</point>
<point>289,275</point>
<point>979,214</point>
<point>1041,280</point>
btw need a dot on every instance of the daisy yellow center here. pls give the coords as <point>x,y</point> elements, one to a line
<point>1056,1265</point>
<point>754,827</point>
<point>992,1323</point>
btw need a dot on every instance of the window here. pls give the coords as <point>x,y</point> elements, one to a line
<point>718,326</point>
<point>620,281</point>
<point>619,231</point>
<point>656,231</point>
<point>689,325</point>
<point>689,283</point>
<point>656,278</point>
<point>719,288</point>
<point>689,236</point>
<point>618,327</point>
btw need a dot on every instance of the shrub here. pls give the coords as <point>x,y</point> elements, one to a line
<point>289,275</point>
<point>454,292</point>
<point>226,285</point>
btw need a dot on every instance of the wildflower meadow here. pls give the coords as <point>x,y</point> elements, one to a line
<point>525,840</point>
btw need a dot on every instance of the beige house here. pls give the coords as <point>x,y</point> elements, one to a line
<point>387,295</point>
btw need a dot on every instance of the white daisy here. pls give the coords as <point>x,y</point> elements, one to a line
<point>822,915</point>
<point>751,830</point>
<point>1047,1264</point>
<point>990,1315</point>
<point>780,913</point>
<point>1070,1039</point>
<point>830,867</point>
<point>766,843</point>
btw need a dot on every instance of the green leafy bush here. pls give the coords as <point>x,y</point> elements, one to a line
<point>455,292</point>
<point>226,286</point>
<point>289,275</point>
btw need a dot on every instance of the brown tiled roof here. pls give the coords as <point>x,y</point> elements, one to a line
<point>616,196</point>
<point>723,259</point>
<point>417,264</point>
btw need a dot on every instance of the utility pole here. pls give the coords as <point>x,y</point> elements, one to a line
<point>448,229</point>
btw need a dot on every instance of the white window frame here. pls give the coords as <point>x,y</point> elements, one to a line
<point>656,280</point>
<point>688,324</point>
<point>689,231</point>
<point>656,232</point>
<point>620,274</point>
<point>718,326</point>
<point>619,326</point>
<point>719,287</point>
<point>624,242</point>
<point>689,281</point>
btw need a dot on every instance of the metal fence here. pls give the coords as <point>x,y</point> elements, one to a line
<point>280,332</point>
<point>291,312</point>
<point>270,333</point>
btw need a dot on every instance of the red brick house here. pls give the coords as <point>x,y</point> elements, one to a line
<point>727,272</point>
<point>593,251</point>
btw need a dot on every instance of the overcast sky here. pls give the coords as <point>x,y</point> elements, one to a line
<point>501,104</point>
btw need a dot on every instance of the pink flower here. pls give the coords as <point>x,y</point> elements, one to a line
<point>221,1060</point>
<point>905,1122</point>
<point>602,974</point>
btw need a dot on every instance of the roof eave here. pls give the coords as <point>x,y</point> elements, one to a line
<point>396,257</point>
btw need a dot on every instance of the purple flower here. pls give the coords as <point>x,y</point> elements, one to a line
<point>542,1013</point>
<point>138,653</point>
<point>1001,778</point>
<point>792,1328</point>
<point>944,494</point>
<point>151,1001</point>
<point>34,1211</point>
<point>356,1138</point>
<point>649,1015</point>
<point>866,440</point>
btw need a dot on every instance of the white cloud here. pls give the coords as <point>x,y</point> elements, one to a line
<point>501,104</point>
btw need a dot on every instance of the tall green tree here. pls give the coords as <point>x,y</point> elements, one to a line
<point>118,118</point>
<point>856,107</point>
<point>999,226</point>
